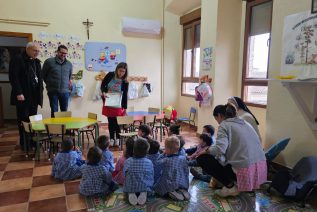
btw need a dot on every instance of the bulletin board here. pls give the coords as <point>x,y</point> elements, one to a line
<point>104,56</point>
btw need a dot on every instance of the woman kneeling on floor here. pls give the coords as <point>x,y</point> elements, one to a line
<point>244,168</point>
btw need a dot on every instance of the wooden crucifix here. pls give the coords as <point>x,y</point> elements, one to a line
<point>88,24</point>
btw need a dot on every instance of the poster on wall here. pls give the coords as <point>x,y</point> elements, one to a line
<point>101,56</point>
<point>49,42</point>
<point>300,46</point>
<point>207,58</point>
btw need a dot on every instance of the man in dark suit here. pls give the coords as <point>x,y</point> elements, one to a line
<point>27,84</point>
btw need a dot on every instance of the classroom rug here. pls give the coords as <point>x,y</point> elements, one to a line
<point>202,199</point>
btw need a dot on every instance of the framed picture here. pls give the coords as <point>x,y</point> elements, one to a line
<point>314,6</point>
<point>6,53</point>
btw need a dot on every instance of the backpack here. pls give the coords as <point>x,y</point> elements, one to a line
<point>203,94</point>
<point>299,182</point>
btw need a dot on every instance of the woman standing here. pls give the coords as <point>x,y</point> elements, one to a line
<point>244,166</point>
<point>115,82</point>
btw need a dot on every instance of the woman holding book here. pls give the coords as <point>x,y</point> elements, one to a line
<point>115,82</point>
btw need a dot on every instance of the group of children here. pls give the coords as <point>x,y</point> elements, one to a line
<point>144,169</point>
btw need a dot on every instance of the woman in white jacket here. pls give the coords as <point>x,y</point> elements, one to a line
<point>244,167</point>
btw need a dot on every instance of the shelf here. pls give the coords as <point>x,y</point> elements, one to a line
<point>310,116</point>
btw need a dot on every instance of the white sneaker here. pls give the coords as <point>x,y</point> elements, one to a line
<point>111,142</point>
<point>225,192</point>
<point>116,142</point>
<point>175,195</point>
<point>142,198</point>
<point>133,199</point>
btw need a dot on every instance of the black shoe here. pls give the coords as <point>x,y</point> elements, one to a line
<point>195,173</point>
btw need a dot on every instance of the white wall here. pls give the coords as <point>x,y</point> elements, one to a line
<point>284,119</point>
<point>66,17</point>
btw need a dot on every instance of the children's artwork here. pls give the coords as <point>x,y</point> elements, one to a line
<point>300,45</point>
<point>49,42</point>
<point>104,56</point>
<point>207,58</point>
<point>78,75</point>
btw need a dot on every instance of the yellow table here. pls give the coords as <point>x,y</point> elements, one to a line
<point>72,123</point>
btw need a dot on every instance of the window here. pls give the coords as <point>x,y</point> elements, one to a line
<point>256,52</point>
<point>191,52</point>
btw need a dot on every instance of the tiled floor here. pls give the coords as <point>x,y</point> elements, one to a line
<point>27,185</point>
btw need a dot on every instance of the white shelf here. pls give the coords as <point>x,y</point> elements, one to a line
<point>291,85</point>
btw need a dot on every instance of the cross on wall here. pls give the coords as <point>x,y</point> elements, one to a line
<point>88,24</point>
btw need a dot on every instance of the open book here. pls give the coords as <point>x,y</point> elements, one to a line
<point>113,99</point>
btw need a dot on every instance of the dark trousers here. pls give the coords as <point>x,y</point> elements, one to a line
<point>24,110</point>
<point>114,128</point>
<point>54,98</point>
<point>211,166</point>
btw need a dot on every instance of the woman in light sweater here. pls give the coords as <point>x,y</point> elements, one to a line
<point>245,113</point>
<point>244,167</point>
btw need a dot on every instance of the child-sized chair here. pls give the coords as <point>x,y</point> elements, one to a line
<point>191,118</point>
<point>274,150</point>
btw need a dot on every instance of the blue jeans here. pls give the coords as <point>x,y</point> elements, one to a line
<point>56,97</point>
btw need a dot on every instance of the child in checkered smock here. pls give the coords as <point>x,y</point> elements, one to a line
<point>139,173</point>
<point>96,179</point>
<point>66,165</point>
<point>154,156</point>
<point>174,180</point>
<point>107,156</point>
<point>117,174</point>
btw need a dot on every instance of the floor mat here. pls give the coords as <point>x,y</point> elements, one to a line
<point>202,199</point>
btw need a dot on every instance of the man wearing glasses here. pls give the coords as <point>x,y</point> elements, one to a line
<point>57,72</point>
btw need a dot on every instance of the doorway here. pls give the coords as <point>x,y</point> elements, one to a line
<point>11,43</point>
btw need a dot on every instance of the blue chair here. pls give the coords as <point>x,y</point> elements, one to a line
<point>191,118</point>
<point>275,149</point>
<point>273,152</point>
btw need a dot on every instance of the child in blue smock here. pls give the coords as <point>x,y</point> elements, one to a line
<point>154,156</point>
<point>174,181</point>
<point>139,174</point>
<point>96,179</point>
<point>107,156</point>
<point>66,165</point>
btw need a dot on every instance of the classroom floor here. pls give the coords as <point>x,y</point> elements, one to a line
<point>26,185</point>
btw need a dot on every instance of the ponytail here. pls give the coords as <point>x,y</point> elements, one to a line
<point>231,111</point>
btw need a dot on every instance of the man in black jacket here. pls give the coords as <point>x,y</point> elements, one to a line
<point>27,84</point>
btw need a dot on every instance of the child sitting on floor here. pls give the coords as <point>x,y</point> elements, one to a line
<point>174,181</point>
<point>96,178</point>
<point>174,129</point>
<point>205,141</point>
<point>209,129</point>
<point>139,173</point>
<point>117,174</point>
<point>144,131</point>
<point>66,165</point>
<point>107,156</point>
<point>154,156</point>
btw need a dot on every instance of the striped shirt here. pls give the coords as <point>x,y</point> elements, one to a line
<point>139,175</point>
<point>174,174</point>
<point>66,165</point>
<point>95,181</point>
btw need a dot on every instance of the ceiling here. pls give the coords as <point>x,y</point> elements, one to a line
<point>181,7</point>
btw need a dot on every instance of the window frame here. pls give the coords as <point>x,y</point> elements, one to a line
<point>253,81</point>
<point>188,21</point>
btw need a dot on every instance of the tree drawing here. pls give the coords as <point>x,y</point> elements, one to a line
<point>304,39</point>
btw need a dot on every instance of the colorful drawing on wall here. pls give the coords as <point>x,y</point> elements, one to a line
<point>49,43</point>
<point>207,58</point>
<point>299,44</point>
<point>104,56</point>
